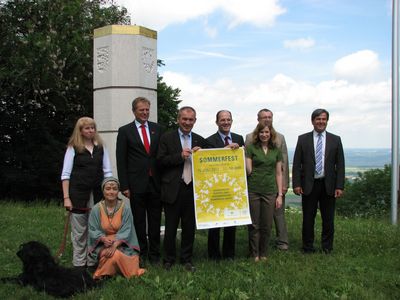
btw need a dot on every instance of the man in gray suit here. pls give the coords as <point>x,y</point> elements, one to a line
<point>223,138</point>
<point>318,176</point>
<point>265,117</point>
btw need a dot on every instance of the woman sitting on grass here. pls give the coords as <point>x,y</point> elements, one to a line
<point>264,171</point>
<point>112,238</point>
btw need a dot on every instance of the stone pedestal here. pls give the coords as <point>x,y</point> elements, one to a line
<point>124,67</point>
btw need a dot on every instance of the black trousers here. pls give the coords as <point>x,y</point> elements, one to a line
<point>182,210</point>
<point>310,204</point>
<point>228,244</point>
<point>146,208</point>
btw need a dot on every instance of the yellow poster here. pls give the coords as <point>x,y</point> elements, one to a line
<point>220,188</point>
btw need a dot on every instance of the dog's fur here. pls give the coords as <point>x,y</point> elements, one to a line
<point>41,271</point>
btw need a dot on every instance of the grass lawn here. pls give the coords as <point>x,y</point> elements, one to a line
<point>365,263</point>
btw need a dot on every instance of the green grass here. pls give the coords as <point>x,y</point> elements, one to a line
<point>365,263</point>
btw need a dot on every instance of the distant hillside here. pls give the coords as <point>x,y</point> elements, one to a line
<point>362,157</point>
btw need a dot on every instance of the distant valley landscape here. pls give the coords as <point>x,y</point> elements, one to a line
<point>356,159</point>
<point>364,158</point>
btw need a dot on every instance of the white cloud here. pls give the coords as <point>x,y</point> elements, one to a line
<point>260,13</point>
<point>158,14</point>
<point>212,32</point>
<point>361,66</point>
<point>358,95</point>
<point>213,54</point>
<point>360,113</point>
<point>301,44</point>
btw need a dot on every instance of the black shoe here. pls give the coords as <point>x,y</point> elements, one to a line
<point>80,268</point>
<point>327,251</point>
<point>155,263</point>
<point>229,258</point>
<point>189,267</point>
<point>167,266</point>
<point>214,258</point>
<point>154,260</point>
<point>103,278</point>
<point>91,269</point>
<point>142,262</point>
<point>308,250</point>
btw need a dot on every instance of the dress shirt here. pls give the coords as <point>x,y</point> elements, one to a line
<point>223,137</point>
<point>146,125</point>
<point>181,134</point>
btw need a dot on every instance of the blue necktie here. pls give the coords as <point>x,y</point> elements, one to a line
<point>318,155</point>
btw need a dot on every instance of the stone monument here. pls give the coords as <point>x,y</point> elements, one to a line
<point>124,67</point>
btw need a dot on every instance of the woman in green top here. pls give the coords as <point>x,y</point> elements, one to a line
<point>264,171</point>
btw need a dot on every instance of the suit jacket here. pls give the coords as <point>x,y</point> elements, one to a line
<point>304,163</point>
<point>281,145</point>
<point>133,162</point>
<point>215,140</point>
<point>170,159</point>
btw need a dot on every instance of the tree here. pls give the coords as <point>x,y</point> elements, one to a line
<point>46,70</point>
<point>368,195</point>
<point>167,102</point>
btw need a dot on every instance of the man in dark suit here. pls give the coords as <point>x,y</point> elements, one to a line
<point>174,154</point>
<point>223,138</point>
<point>318,176</point>
<point>137,144</point>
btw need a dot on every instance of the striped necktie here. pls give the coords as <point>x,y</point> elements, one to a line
<point>226,140</point>
<point>318,155</point>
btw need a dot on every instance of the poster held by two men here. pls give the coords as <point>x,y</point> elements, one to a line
<point>220,188</point>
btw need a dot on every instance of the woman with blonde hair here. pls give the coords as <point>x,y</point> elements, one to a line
<point>86,164</point>
<point>264,171</point>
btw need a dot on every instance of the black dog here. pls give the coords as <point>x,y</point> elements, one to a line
<point>41,271</point>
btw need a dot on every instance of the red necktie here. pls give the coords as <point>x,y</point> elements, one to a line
<point>145,139</point>
<point>226,140</point>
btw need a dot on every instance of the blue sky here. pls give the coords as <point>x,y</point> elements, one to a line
<point>290,56</point>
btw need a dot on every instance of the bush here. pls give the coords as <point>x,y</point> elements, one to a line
<point>368,195</point>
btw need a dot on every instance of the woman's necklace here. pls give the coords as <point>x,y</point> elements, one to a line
<point>111,211</point>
